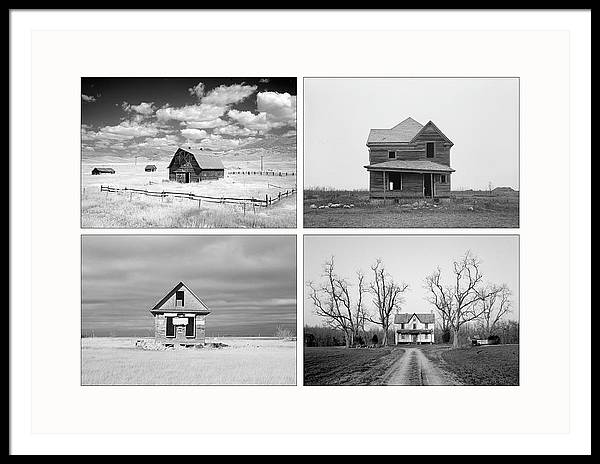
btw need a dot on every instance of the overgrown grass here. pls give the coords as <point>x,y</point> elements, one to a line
<point>116,361</point>
<point>113,210</point>
<point>464,210</point>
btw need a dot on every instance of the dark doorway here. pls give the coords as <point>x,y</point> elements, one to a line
<point>427,186</point>
<point>395,179</point>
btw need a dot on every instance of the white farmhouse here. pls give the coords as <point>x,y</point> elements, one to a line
<point>413,328</point>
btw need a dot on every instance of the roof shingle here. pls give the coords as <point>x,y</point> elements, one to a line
<point>403,318</point>
<point>402,132</point>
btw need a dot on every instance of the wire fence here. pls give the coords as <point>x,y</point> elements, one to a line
<point>260,202</point>
<point>261,173</point>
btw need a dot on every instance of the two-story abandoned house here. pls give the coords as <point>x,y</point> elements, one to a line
<point>409,161</point>
<point>413,328</point>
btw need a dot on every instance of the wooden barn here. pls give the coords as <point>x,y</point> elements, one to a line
<point>150,168</point>
<point>98,171</point>
<point>180,317</point>
<point>409,161</point>
<point>190,167</point>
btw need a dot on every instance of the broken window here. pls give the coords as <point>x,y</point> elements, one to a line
<point>430,149</point>
<point>179,298</point>
<point>170,327</point>
<point>414,326</point>
<point>443,178</point>
<point>391,154</point>
<point>402,326</point>
<point>190,328</point>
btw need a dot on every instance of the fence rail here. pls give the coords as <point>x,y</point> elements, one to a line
<point>262,173</point>
<point>267,201</point>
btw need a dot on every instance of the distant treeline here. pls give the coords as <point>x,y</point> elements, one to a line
<point>507,331</point>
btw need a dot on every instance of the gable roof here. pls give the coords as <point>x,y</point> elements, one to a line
<point>159,305</point>
<point>403,132</point>
<point>425,318</point>
<point>110,170</point>
<point>409,166</point>
<point>182,156</point>
<point>436,128</point>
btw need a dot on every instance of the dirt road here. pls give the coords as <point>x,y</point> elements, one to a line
<point>413,368</point>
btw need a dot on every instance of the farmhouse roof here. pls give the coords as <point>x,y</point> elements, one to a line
<point>403,132</point>
<point>409,166</point>
<point>150,166</point>
<point>159,305</point>
<point>203,161</point>
<point>111,170</point>
<point>403,318</point>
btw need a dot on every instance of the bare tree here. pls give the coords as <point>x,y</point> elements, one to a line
<point>387,297</point>
<point>333,301</point>
<point>495,307</point>
<point>458,303</point>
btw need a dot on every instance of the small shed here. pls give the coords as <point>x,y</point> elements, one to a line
<point>191,167</point>
<point>98,171</point>
<point>180,318</point>
<point>150,168</point>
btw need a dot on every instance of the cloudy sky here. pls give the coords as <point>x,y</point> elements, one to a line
<point>411,258</point>
<point>249,282</point>
<point>129,116</point>
<point>481,117</point>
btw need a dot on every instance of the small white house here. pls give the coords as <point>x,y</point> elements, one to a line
<point>413,328</point>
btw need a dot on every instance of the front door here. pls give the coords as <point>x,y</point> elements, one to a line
<point>414,338</point>
<point>427,186</point>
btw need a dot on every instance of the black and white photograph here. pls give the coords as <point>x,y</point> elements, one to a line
<point>188,152</point>
<point>411,310</point>
<point>411,152</point>
<point>188,310</point>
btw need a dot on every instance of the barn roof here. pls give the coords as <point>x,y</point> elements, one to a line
<point>104,169</point>
<point>159,305</point>
<point>403,132</point>
<point>150,166</point>
<point>409,166</point>
<point>203,161</point>
<point>403,318</point>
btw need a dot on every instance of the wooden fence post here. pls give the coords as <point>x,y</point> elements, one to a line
<point>266,200</point>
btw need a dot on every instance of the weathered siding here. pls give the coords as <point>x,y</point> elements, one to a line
<point>160,331</point>
<point>407,152</point>
<point>189,303</point>
<point>412,186</point>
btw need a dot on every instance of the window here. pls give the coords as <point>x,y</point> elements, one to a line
<point>190,328</point>
<point>430,149</point>
<point>443,178</point>
<point>414,326</point>
<point>179,298</point>
<point>402,326</point>
<point>426,326</point>
<point>170,327</point>
<point>391,154</point>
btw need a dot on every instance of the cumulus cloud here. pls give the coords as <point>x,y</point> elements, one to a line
<point>228,94</point>
<point>146,109</point>
<point>126,130</point>
<point>197,90</point>
<point>280,107</point>
<point>88,98</point>
<point>194,134</point>
<point>218,122</point>
<point>191,113</point>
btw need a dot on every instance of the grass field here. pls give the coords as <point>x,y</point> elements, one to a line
<point>466,209</point>
<point>341,366</point>
<point>118,210</point>
<point>480,365</point>
<point>252,361</point>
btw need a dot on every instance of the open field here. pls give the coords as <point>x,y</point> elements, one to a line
<point>246,360</point>
<point>412,365</point>
<point>466,209</point>
<point>125,210</point>
<point>341,366</point>
<point>479,365</point>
